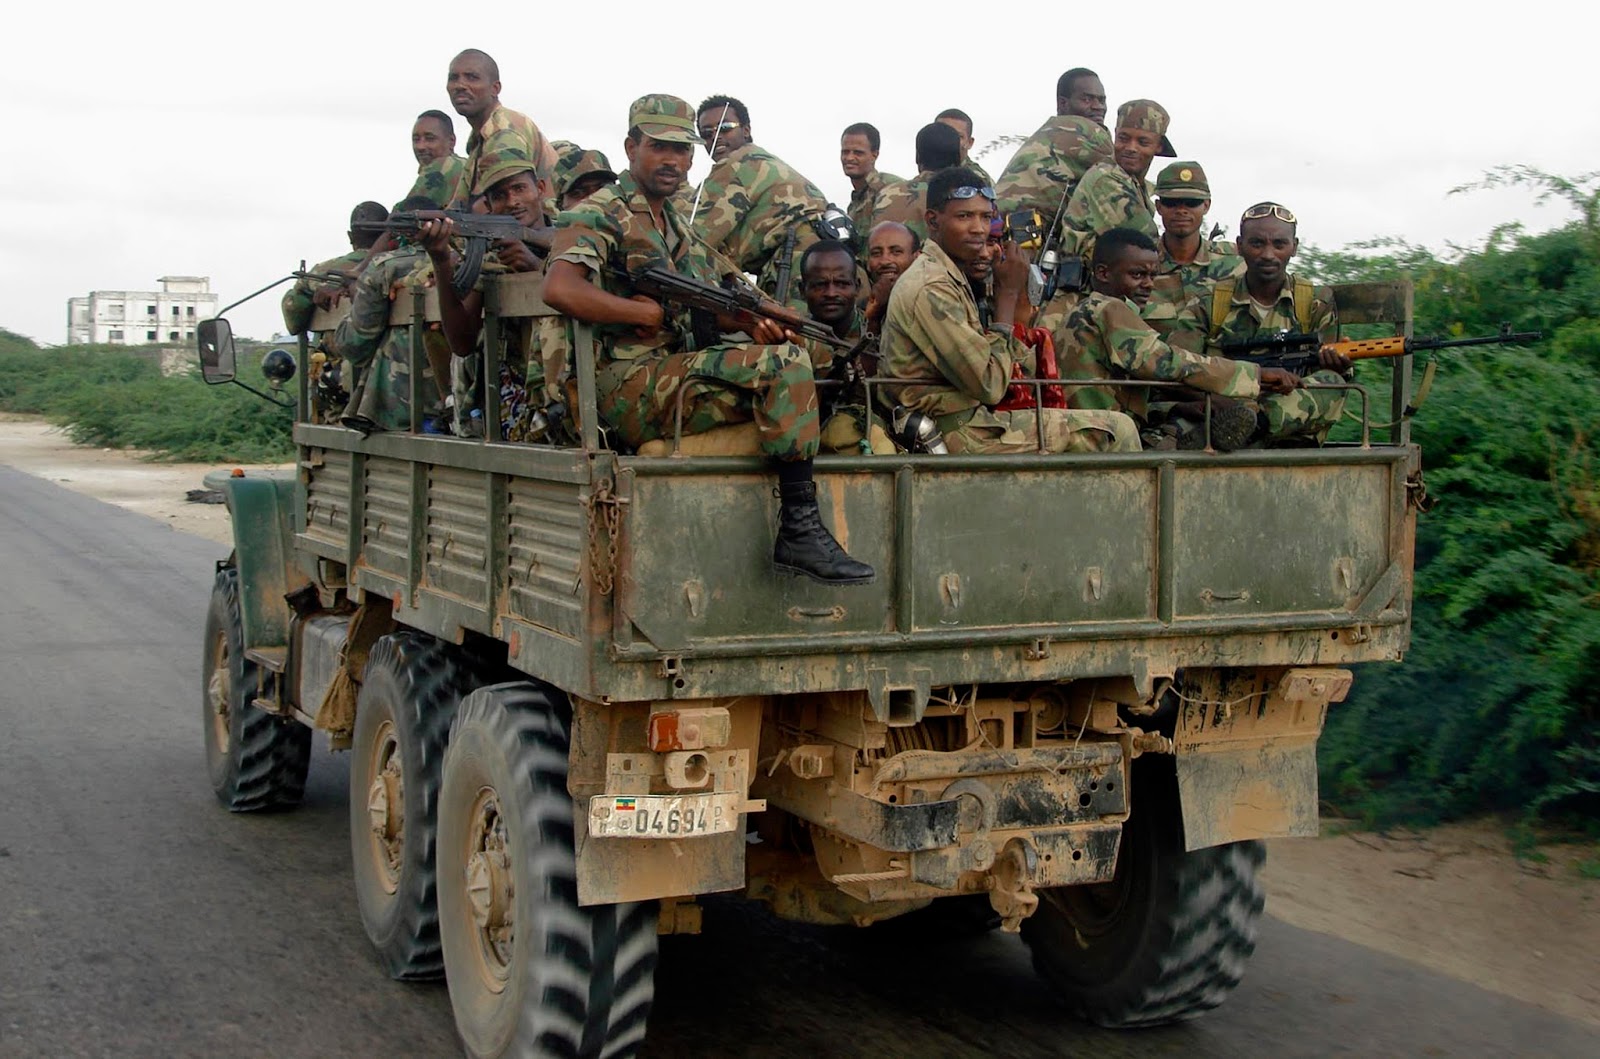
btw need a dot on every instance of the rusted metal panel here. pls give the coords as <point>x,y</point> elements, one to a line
<point>1252,541</point>
<point>456,546</point>
<point>545,540</point>
<point>386,517</point>
<point>327,478</point>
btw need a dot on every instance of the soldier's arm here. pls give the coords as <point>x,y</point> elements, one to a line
<point>359,334</point>
<point>585,240</point>
<point>975,362</point>
<point>1134,347</point>
<point>723,205</point>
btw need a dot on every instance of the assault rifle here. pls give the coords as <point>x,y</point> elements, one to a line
<point>665,285</point>
<point>1297,352</point>
<point>478,229</point>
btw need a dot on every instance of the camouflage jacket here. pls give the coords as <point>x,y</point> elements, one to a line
<point>382,393</point>
<point>613,229</point>
<point>863,198</point>
<point>1247,318</point>
<point>441,180</point>
<point>505,130</point>
<point>1106,339</point>
<point>1045,170</point>
<point>1104,199</point>
<point>749,202</point>
<point>931,333</point>
<point>971,165</point>
<point>1178,284</point>
<point>298,308</point>
<point>906,202</point>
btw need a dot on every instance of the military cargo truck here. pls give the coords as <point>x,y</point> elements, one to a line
<point>577,696</point>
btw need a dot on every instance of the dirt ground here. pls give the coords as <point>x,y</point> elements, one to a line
<point>1454,899</point>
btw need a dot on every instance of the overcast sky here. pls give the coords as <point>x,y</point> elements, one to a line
<point>231,141</point>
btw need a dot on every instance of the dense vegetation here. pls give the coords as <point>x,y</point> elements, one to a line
<point>1497,706</point>
<point>110,397</point>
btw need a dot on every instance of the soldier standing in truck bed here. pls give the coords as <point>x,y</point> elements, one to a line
<point>938,147</point>
<point>439,168</point>
<point>858,157</point>
<point>1043,173</point>
<point>644,357</point>
<point>474,89</point>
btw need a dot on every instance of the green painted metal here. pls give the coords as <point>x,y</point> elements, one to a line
<point>264,506</point>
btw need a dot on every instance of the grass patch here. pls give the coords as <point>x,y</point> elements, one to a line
<point>118,400</point>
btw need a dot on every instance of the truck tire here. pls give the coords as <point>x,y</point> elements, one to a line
<point>256,760</point>
<point>409,694</point>
<point>1167,939</point>
<point>530,971</point>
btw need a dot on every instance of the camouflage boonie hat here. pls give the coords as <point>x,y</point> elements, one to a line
<point>1182,180</point>
<point>577,166</point>
<point>663,117</point>
<point>1150,116</point>
<point>501,164</point>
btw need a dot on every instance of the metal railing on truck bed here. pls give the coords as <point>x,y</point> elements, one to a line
<point>637,577</point>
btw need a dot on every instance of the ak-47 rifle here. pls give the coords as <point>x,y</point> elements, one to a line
<point>780,292</point>
<point>665,285</point>
<point>1297,352</point>
<point>478,229</point>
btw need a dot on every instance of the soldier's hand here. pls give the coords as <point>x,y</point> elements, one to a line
<point>878,300</point>
<point>435,235</point>
<point>329,295</point>
<point>651,317</point>
<point>1280,380</point>
<point>516,255</point>
<point>1011,271</point>
<point>765,332</point>
<point>1330,357</point>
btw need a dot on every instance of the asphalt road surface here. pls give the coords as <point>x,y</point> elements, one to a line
<point>137,918</point>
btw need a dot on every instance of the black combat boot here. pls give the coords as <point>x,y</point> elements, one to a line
<point>804,545</point>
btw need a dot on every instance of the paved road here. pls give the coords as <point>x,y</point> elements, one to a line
<point>139,919</point>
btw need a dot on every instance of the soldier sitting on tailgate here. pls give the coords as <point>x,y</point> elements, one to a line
<point>1191,263</point>
<point>1268,298</point>
<point>932,334</point>
<point>649,356</point>
<point>755,209</point>
<point>514,190</point>
<point>938,147</point>
<point>1107,339</point>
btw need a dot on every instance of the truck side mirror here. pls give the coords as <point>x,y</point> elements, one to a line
<point>215,341</point>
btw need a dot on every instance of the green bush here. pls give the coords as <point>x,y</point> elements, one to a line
<point>1497,706</point>
<point>114,399</point>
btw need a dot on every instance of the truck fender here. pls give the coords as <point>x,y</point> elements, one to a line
<point>262,505</point>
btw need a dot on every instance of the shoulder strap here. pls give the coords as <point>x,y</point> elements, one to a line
<point>1221,299</point>
<point>1304,293</point>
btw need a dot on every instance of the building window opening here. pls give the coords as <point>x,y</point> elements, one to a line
<point>172,336</point>
<point>115,336</point>
<point>190,312</point>
<point>149,336</point>
<point>149,310</point>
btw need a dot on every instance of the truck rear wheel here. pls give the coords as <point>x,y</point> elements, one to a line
<point>409,694</point>
<point>256,760</point>
<point>1164,941</point>
<point>530,971</point>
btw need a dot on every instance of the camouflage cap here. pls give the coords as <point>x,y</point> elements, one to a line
<point>663,117</point>
<point>577,166</point>
<point>501,164</point>
<point>1150,116</point>
<point>1182,180</point>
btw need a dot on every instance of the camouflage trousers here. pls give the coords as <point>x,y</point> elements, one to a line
<point>382,394</point>
<point>1065,430</point>
<point>771,385</point>
<point>1306,414</point>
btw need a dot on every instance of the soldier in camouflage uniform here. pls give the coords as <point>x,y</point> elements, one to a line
<point>961,121</point>
<point>474,90</point>
<point>316,291</point>
<point>580,174</point>
<point>752,203</point>
<point>1267,299</point>
<point>514,191</point>
<point>858,157</point>
<point>938,147</point>
<point>380,396</point>
<point>1107,339</point>
<point>1191,264</point>
<point>1043,173</point>
<point>439,168</point>
<point>932,334</point>
<point>647,356</point>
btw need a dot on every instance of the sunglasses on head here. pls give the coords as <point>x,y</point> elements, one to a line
<point>967,191</point>
<point>1269,209</point>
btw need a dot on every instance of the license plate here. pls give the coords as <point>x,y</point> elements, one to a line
<point>663,815</point>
